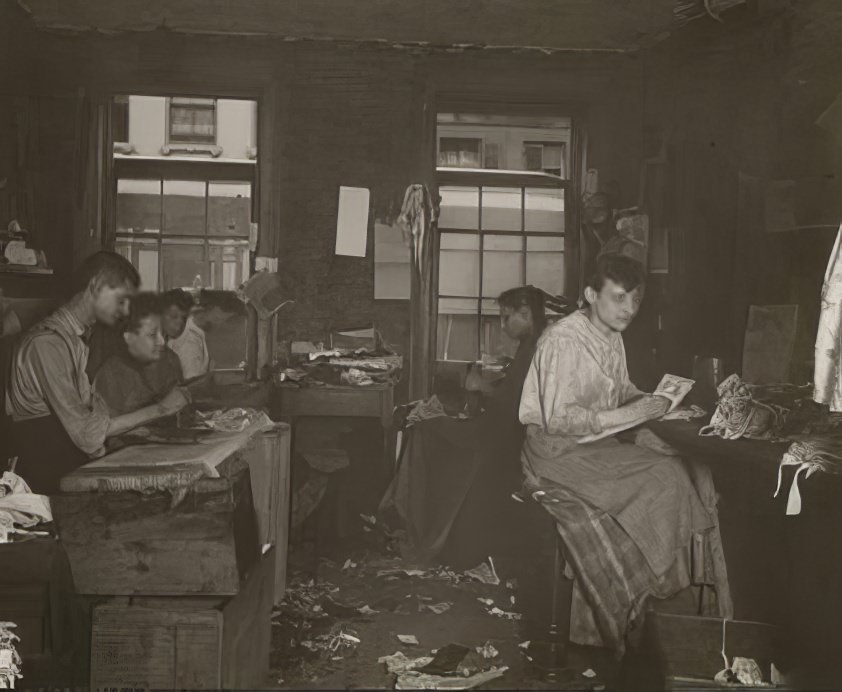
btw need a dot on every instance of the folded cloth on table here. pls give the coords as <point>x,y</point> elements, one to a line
<point>424,409</point>
<point>809,456</point>
<point>24,507</point>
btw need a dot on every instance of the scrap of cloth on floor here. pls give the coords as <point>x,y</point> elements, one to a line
<point>461,471</point>
<point>627,512</point>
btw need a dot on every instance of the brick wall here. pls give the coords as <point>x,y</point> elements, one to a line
<point>350,121</point>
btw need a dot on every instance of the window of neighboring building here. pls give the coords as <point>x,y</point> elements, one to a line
<point>548,157</point>
<point>460,152</point>
<point>496,231</point>
<point>192,120</point>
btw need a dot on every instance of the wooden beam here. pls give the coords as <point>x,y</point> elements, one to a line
<point>547,24</point>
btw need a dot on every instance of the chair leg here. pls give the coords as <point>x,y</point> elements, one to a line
<point>558,650</point>
<point>552,658</point>
<point>557,567</point>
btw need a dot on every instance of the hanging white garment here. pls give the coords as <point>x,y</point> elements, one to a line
<point>827,375</point>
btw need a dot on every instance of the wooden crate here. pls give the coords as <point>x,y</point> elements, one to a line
<point>687,646</point>
<point>128,543</point>
<point>268,457</point>
<point>186,643</point>
<point>36,593</point>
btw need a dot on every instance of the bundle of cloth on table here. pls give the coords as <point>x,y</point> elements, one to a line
<point>360,367</point>
<point>21,510</point>
<point>781,413</point>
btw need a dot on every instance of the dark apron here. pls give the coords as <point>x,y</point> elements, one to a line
<point>45,453</point>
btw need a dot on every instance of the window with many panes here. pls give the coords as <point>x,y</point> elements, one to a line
<point>175,230</point>
<point>496,231</point>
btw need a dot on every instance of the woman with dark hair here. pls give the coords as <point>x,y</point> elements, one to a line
<point>455,473</point>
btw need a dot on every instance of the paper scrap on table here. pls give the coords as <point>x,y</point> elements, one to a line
<point>674,388</point>
<point>352,221</point>
<point>408,639</point>
<point>437,608</point>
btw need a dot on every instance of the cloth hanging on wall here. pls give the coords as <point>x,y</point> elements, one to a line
<point>827,374</point>
<point>418,215</point>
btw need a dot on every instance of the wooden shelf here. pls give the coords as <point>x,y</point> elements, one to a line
<point>25,269</point>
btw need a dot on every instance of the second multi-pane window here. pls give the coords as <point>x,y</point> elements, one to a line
<point>492,238</point>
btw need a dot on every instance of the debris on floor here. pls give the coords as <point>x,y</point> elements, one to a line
<point>342,619</point>
<point>485,573</point>
<point>487,650</point>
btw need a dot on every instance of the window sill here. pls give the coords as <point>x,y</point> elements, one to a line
<point>25,269</point>
<point>211,150</point>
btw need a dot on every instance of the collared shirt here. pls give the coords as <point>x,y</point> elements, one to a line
<point>576,372</point>
<point>192,350</point>
<point>48,377</point>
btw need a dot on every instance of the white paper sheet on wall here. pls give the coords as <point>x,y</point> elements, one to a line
<point>352,221</point>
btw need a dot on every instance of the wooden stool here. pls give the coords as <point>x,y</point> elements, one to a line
<point>550,656</point>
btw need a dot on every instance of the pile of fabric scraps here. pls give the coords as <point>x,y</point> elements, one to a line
<point>809,456</point>
<point>453,667</point>
<point>743,672</point>
<point>360,367</point>
<point>21,509</point>
<point>424,409</point>
<point>9,658</point>
<point>231,420</point>
<point>741,413</point>
<point>807,418</point>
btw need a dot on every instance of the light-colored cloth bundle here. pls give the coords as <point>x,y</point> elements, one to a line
<point>738,414</point>
<point>809,456</point>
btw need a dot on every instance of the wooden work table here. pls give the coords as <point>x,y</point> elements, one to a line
<point>372,401</point>
<point>782,569</point>
<point>172,519</point>
<point>184,544</point>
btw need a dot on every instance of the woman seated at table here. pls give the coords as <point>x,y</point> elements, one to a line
<point>452,489</point>
<point>143,370</point>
